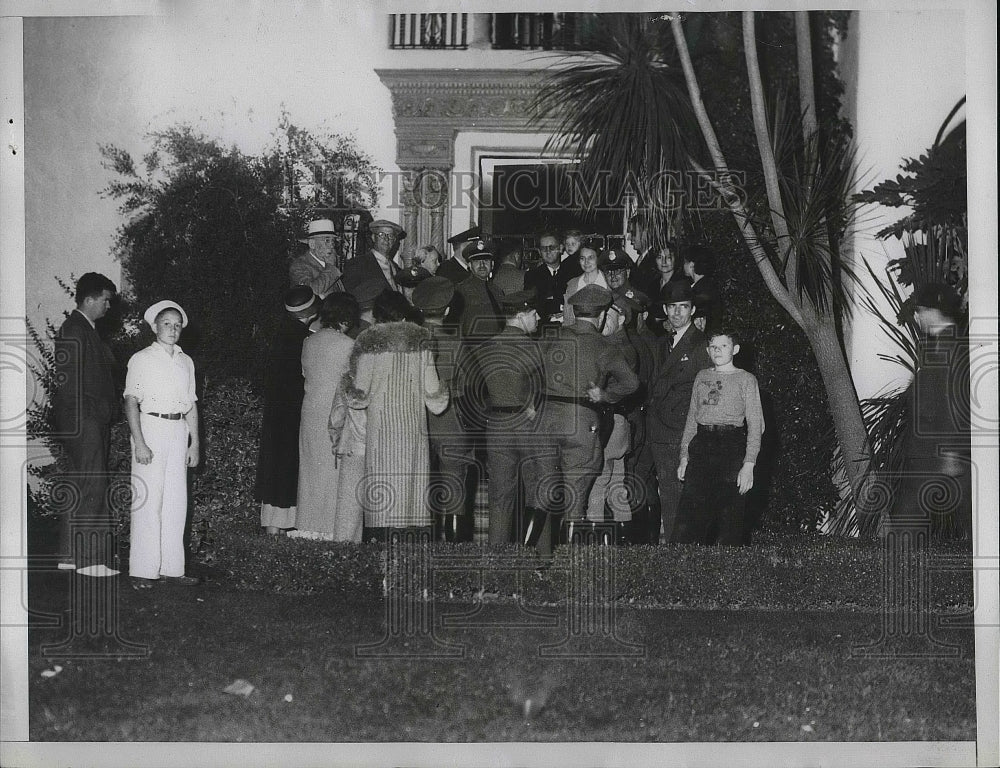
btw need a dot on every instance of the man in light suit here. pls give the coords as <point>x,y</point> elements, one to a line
<point>317,267</point>
<point>83,407</point>
<point>682,354</point>
<point>378,261</point>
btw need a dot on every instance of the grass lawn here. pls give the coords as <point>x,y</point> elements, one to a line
<point>705,675</point>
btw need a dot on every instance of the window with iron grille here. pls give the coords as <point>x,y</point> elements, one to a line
<point>441,31</point>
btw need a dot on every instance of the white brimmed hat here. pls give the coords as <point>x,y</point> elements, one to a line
<point>318,227</point>
<point>150,314</point>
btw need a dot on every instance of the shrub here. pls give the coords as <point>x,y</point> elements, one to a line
<point>801,573</point>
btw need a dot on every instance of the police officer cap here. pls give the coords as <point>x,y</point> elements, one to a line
<point>517,301</point>
<point>626,307</point>
<point>676,291</point>
<point>433,294</point>
<point>410,278</point>
<point>477,250</point>
<point>591,298</point>
<point>612,259</point>
<point>466,236</point>
<point>636,296</point>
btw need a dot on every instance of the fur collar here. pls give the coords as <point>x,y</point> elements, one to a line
<point>384,337</point>
<point>392,337</point>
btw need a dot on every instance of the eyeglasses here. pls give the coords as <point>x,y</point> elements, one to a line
<point>548,247</point>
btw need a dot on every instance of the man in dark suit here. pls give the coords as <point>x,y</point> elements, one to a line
<point>543,278</point>
<point>378,261</point>
<point>456,268</point>
<point>683,353</point>
<point>83,408</point>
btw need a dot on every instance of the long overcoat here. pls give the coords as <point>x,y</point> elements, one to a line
<point>392,376</point>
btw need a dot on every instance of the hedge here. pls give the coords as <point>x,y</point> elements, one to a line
<point>807,573</point>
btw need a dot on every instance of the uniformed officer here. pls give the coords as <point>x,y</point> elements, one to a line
<point>451,450</point>
<point>584,372</point>
<point>616,266</point>
<point>510,365</point>
<point>456,268</point>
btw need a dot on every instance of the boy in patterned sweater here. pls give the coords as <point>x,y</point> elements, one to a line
<point>719,448</point>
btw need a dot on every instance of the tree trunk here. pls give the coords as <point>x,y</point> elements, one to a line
<point>819,328</point>
<point>841,395</point>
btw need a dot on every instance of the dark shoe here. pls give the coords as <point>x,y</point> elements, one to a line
<point>183,581</point>
<point>138,582</point>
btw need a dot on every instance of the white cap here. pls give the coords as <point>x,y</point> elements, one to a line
<point>150,314</point>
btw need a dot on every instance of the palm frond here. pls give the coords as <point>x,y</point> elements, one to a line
<point>621,111</point>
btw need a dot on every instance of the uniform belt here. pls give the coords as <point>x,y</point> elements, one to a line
<point>576,401</point>
<point>168,416</point>
<point>720,428</point>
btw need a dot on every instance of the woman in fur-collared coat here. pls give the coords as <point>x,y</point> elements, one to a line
<point>392,376</point>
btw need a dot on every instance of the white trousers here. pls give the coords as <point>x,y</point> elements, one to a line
<point>159,500</point>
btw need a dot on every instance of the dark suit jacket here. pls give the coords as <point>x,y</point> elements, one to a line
<point>673,380</point>
<point>547,290</point>
<point>85,367</point>
<point>453,271</point>
<point>362,268</point>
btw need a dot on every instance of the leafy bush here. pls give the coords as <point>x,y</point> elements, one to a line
<point>802,573</point>
<point>211,227</point>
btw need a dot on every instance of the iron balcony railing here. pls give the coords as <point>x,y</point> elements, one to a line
<point>441,31</point>
<point>542,31</point>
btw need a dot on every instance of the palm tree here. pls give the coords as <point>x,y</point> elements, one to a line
<point>630,110</point>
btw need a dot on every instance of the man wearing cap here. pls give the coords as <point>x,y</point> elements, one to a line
<point>456,268</point>
<point>511,368</point>
<point>83,407</point>
<point>377,262</point>
<point>936,443</point>
<point>477,304</point>
<point>317,267</point>
<point>609,488</point>
<point>544,280</point>
<point>616,265</point>
<point>452,453</point>
<point>276,485</point>
<point>584,372</point>
<point>683,353</point>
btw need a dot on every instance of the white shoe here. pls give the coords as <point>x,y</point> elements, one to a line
<point>98,571</point>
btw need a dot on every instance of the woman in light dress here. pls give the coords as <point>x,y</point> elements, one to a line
<point>325,356</point>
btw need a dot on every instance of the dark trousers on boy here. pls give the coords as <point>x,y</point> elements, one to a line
<point>711,509</point>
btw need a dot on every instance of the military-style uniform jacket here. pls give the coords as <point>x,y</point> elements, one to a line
<point>578,356</point>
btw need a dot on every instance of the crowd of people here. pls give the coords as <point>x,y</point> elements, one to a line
<point>594,391</point>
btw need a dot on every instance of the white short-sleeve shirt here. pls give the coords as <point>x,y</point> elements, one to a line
<point>160,382</point>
